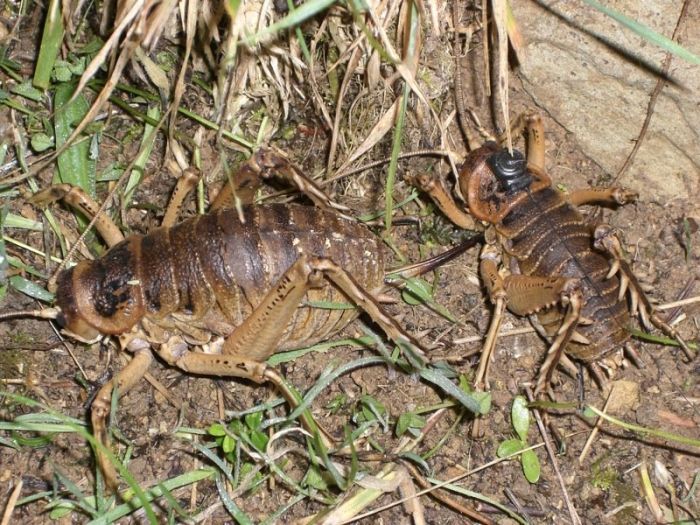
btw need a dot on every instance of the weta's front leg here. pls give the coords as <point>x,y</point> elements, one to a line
<point>123,382</point>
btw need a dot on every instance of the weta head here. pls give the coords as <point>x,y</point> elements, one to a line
<point>101,296</point>
<point>492,181</point>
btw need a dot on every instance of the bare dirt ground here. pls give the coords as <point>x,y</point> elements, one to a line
<point>604,487</point>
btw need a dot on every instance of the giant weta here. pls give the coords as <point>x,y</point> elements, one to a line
<point>234,279</point>
<point>542,257</point>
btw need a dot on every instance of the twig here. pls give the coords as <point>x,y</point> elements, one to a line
<point>595,430</point>
<point>443,498</point>
<point>10,507</point>
<point>552,457</point>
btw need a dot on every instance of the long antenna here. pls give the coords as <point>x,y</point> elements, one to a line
<point>46,313</point>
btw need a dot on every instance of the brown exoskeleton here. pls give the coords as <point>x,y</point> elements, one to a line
<point>542,257</point>
<point>234,278</point>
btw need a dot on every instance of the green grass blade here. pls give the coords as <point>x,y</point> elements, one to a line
<point>31,289</point>
<point>670,436</point>
<point>479,497</point>
<point>50,44</point>
<point>293,19</point>
<point>150,133</point>
<point>4,263</point>
<point>171,484</point>
<point>646,33</point>
<point>477,405</point>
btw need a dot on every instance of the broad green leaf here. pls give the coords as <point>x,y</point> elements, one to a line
<point>520,416</point>
<point>531,466</point>
<point>509,447</point>
<point>217,430</point>
<point>74,164</point>
<point>41,142</point>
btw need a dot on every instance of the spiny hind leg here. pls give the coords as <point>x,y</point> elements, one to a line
<point>607,240</point>
<point>245,351</point>
<point>79,200</point>
<point>273,162</point>
<point>101,406</point>
<point>240,186</point>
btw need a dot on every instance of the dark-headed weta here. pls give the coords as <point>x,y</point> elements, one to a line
<point>542,257</point>
<point>234,279</point>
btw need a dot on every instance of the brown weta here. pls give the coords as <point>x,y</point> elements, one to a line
<point>542,258</point>
<point>233,279</point>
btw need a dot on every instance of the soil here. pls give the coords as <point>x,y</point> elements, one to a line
<point>604,487</point>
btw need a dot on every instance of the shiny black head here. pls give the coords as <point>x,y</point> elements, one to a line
<point>510,171</point>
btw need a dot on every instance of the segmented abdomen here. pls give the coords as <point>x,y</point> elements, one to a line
<point>548,237</point>
<point>215,265</point>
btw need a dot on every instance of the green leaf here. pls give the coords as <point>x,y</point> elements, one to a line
<point>335,404</point>
<point>372,409</point>
<point>418,460</point>
<point>41,142</point>
<point>228,444</point>
<point>253,420</point>
<point>50,44</point>
<point>315,480</point>
<point>531,466</point>
<point>17,221</point>
<point>509,447</point>
<point>26,90</point>
<point>61,71</point>
<point>74,164</point>
<point>417,291</point>
<point>294,18</point>
<point>477,402</point>
<point>31,289</point>
<point>409,420</point>
<point>520,416</point>
<point>259,439</point>
<point>588,412</point>
<point>217,430</point>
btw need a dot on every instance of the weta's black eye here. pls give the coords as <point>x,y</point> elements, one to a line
<point>61,320</point>
<point>510,170</point>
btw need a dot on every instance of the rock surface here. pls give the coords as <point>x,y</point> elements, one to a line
<point>596,77</point>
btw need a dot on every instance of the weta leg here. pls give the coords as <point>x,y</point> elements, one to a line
<point>245,351</point>
<point>612,195</point>
<point>77,199</point>
<point>488,268</point>
<point>185,184</point>
<point>526,295</point>
<point>259,335</point>
<point>433,187</point>
<point>531,123</point>
<point>573,297</point>
<point>123,382</point>
<point>606,239</point>
<point>241,186</point>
